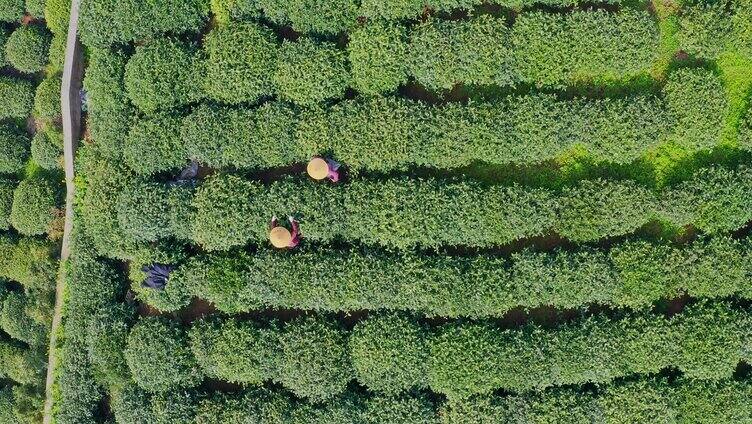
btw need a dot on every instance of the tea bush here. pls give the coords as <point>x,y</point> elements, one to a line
<point>17,323</point>
<point>36,203</point>
<point>308,72</point>
<point>6,202</point>
<point>47,149</point>
<point>14,148</point>
<point>18,97</point>
<point>12,10</point>
<point>27,48</point>
<point>153,145</point>
<point>159,358</point>
<point>330,17</point>
<point>56,15</point>
<point>706,30</point>
<point>378,53</point>
<point>47,104</point>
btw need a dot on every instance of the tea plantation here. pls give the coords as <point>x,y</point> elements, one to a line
<point>543,214</point>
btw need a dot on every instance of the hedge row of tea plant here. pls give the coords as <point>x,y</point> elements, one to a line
<point>708,29</point>
<point>633,274</point>
<point>243,62</point>
<point>406,212</point>
<point>316,358</point>
<point>684,401</point>
<point>386,134</point>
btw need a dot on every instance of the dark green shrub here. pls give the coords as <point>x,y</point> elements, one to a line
<point>388,353</point>
<point>400,410</point>
<point>313,360</point>
<point>143,211</point>
<point>36,206</point>
<point>378,52</point>
<point>18,97</point>
<point>308,72</point>
<point>706,29</point>
<point>174,407</point>
<point>47,103</point>
<point>105,341</point>
<point>698,100</point>
<point>56,15</point>
<point>392,9</point>
<point>110,113</point>
<point>57,54</point>
<point>163,74</point>
<point>47,149</point>
<point>257,405</point>
<point>131,404</point>
<point>36,8</point>
<point>158,356</point>
<point>241,62</point>
<point>235,351</point>
<point>79,394</point>
<point>18,324</point>
<point>6,202</point>
<point>28,47</point>
<point>551,49</point>
<point>445,53</point>
<point>329,17</point>
<point>29,261</point>
<point>12,10</point>
<point>20,364</point>
<point>105,22</point>
<point>154,145</point>
<point>14,148</point>
<point>4,34</point>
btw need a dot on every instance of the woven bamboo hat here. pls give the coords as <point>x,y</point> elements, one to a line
<point>280,237</point>
<point>318,169</point>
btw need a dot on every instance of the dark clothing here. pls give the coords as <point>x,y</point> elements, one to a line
<point>157,276</point>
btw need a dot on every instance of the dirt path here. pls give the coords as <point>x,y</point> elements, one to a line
<point>71,105</point>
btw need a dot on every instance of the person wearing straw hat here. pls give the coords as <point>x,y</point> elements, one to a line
<point>320,168</point>
<point>281,237</point>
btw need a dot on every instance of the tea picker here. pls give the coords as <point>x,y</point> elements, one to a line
<point>157,276</point>
<point>281,237</point>
<point>320,168</point>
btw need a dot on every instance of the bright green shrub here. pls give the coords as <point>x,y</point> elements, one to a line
<point>261,405</point>
<point>131,404</point>
<point>392,9</point>
<point>109,111</point>
<point>475,52</point>
<point>154,145</point>
<point>698,100</point>
<point>145,212</point>
<point>47,149</point>
<point>56,15</point>
<point>308,72</point>
<point>12,10</point>
<point>18,324</point>
<point>388,353</point>
<point>36,204</point>
<point>240,64</point>
<point>329,17</point>
<point>745,131</point>
<point>237,10</point>
<point>176,294</point>
<point>36,8</point>
<point>47,103</point>
<point>400,410</point>
<point>6,202</point>
<point>105,22</point>
<point>105,341</point>
<point>20,364</point>
<point>27,48</point>
<point>551,49</point>
<point>18,97</point>
<point>706,30</point>
<point>4,34</point>
<point>343,409</point>
<point>57,54</point>
<point>14,148</point>
<point>163,74</point>
<point>79,394</point>
<point>158,356</point>
<point>313,360</point>
<point>378,52</point>
<point>235,351</point>
<point>29,261</point>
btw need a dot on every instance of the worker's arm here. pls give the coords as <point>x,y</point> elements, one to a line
<point>273,223</point>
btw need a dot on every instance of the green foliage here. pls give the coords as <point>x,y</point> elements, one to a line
<point>551,49</point>
<point>231,211</point>
<point>106,22</point>
<point>240,64</point>
<point>707,29</point>
<point>175,294</point>
<point>308,72</point>
<point>36,8</point>
<point>6,202</point>
<point>378,52</point>
<point>20,364</point>
<point>148,211</point>
<point>400,410</point>
<point>109,111</point>
<point>18,324</point>
<point>163,74</point>
<point>18,97</point>
<point>233,350</point>
<point>328,17</point>
<point>105,342</point>
<point>29,261</point>
<point>47,103</point>
<point>238,10</point>
<point>256,405</point>
<point>131,404</point>
<point>444,53</point>
<point>313,360</point>
<point>154,145</point>
<point>47,149</point>
<point>28,47</point>
<point>388,353</point>
<point>56,15</point>
<point>36,203</point>
<point>14,148</point>
<point>158,356</point>
<point>12,10</point>
<point>393,9</point>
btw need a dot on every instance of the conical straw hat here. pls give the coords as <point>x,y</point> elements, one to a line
<point>318,169</point>
<point>280,237</point>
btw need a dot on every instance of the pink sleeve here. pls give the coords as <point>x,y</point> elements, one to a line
<point>295,234</point>
<point>333,175</point>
